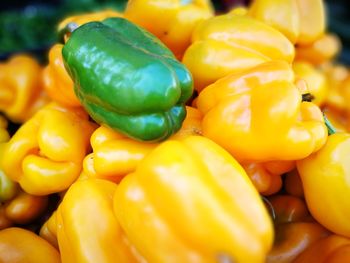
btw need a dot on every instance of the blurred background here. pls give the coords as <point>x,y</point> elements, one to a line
<point>31,25</point>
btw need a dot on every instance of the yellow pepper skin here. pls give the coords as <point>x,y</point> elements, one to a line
<point>315,79</point>
<point>18,245</point>
<point>115,155</point>
<point>87,229</point>
<point>4,135</point>
<point>332,249</point>
<point>224,45</point>
<point>172,21</point>
<point>57,82</point>
<point>48,231</point>
<point>266,177</point>
<point>321,51</point>
<point>45,155</point>
<point>325,175</point>
<point>20,86</point>
<point>301,21</point>
<point>258,115</point>
<point>193,202</point>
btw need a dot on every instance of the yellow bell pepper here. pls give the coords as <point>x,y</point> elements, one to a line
<point>332,249</point>
<point>57,82</point>
<point>301,21</point>
<point>266,177</point>
<point>325,177</point>
<point>48,230</point>
<point>115,155</point>
<point>190,201</point>
<point>87,229</point>
<point>20,87</point>
<point>259,115</point>
<point>233,43</point>
<point>4,135</point>
<point>172,21</point>
<point>18,245</point>
<point>45,155</point>
<point>322,50</point>
<point>81,19</point>
<point>315,79</point>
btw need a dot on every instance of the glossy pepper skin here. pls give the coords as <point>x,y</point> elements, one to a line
<point>18,245</point>
<point>171,21</point>
<point>139,90</point>
<point>87,229</point>
<point>21,87</point>
<point>205,195</point>
<point>332,249</point>
<point>258,115</point>
<point>46,153</point>
<point>112,150</point>
<point>327,172</point>
<point>224,44</point>
<point>303,22</point>
<point>56,80</point>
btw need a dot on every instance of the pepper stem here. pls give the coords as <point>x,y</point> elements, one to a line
<point>67,31</point>
<point>330,127</point>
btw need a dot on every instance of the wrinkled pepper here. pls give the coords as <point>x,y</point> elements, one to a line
<point>225,44</point>
<point>139,89</point>
<point>325,177</point>
<point>303,22</point>
<point>332,249</point>
<point>259,115</point>
<point>18,245</point>
<point>21,87</point>
<point>45,155</point>
<point>87,229</point>
<point>266,177</point>
<point>115,155</point>
<point>209,211</point>
<point>57,82</point>
<point>171,21</point>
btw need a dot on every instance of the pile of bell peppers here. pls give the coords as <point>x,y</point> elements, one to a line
<point>171,133</point>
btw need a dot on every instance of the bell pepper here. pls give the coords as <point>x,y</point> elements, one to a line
<point>4,135</point>
<point>78,20</point>
<point>266,177</point>
<point>188,199</point>
<point>292,239</point>
<point>315,79</point>
<point>320,51</point>
<point>338,118</point>
<point>139,90</point>
<point>57,82</point>
<point>325,175</point>
<point>293,185</point>
<point>301,21</point>
<point>111,149</point>
<point>259,115</point>
<point>22,246</point>
<point>45,155</point>
<point>171,21</point>
<point>87,229</point>
<point>332,249</point>
<point>4,221</point>
<point>20,87</point>
<point>227,44</point>
<point>48,230</point>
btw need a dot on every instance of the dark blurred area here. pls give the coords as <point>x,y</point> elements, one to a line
<point>30,25</point>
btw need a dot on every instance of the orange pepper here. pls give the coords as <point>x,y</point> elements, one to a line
<point>293,184</point>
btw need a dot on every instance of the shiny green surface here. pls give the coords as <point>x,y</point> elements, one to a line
<point>127,79</point>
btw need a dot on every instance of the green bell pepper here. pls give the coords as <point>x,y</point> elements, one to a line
<point>127,79</point>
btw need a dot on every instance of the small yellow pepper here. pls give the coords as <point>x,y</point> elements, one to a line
<point>57,82</point>
<point>301,21</point>
<point>259,115</point>
<point>18,245</point>
<point>45,155</point>
<point>228,44</point>
<point>190,201</point>
<point>115,155</point>
<point>325,177</point>
<point>87,229</point>
<point>20,87</point>
<point>172,21</point>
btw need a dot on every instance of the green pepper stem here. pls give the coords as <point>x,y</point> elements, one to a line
<point>330,127</point>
